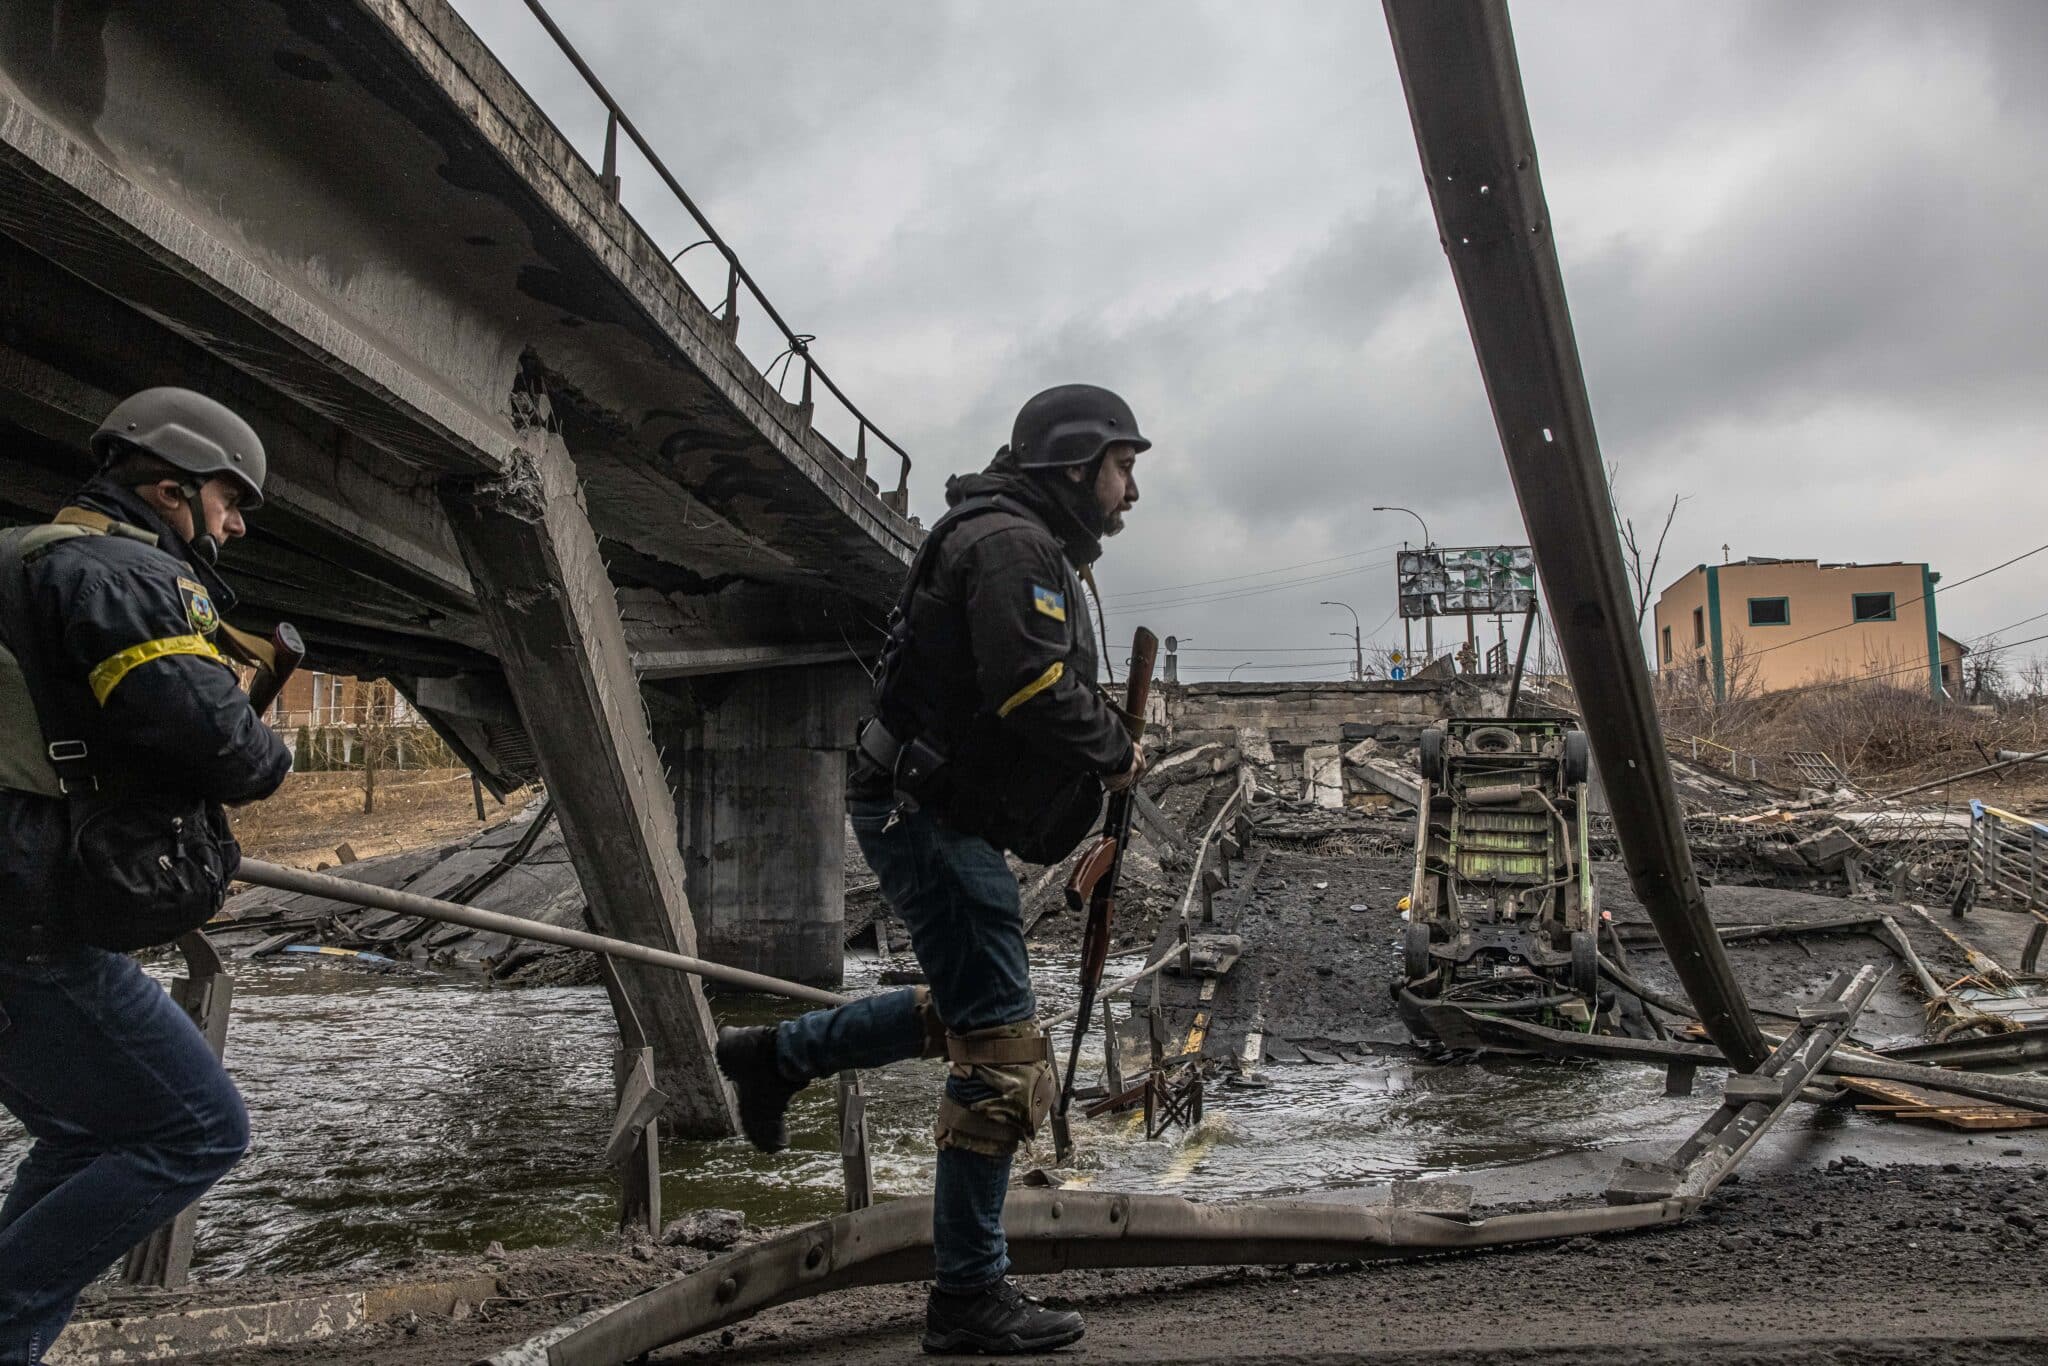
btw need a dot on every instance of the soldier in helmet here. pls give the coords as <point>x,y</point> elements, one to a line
<point>122,733</point>
<point>989,735</point>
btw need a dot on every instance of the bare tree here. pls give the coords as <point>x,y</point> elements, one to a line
<point>1642,576</point>
<point>376,733</point>
<point>1985,669</point>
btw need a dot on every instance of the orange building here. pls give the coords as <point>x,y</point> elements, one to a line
<point>1763,625</point>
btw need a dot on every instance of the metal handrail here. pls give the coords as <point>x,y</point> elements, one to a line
<point>737,273</point>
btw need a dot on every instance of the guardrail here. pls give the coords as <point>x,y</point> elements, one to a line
<point>2008,867</point>
<point>797,344</point>
<point>1697,745</point>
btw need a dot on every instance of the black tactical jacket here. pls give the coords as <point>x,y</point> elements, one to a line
<point>127,627</point>
<point>1000,668</point>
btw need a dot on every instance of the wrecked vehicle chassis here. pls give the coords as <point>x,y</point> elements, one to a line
<point>1501,911</point>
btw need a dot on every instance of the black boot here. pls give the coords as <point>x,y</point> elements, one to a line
<point>1000,1320</point>
<point>747,1057</point>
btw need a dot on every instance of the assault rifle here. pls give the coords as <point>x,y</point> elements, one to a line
<point>1093,884</point>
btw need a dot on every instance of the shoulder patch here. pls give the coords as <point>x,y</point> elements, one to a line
<point>199,608</point>
<point>1050,603</point>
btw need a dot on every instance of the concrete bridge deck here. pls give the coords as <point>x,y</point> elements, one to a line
<point>517,465</point>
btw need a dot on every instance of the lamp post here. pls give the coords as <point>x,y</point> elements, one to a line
<point>1388,507</point>
<point>1233,670</point>
<point>1357,639</point>
<point>1428,623</point>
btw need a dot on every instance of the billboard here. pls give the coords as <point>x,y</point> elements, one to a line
<point>1444,581</point>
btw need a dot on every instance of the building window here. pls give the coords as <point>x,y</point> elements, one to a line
<point>1873,607</point>
<point>1699,626</point>
<point>1770,611</point>
<point>1667,644</point>
<point>1699,668</point>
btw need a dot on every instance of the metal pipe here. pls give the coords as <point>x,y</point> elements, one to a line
<point>1984,771</point>
<point>1457,63</point>
<point>447,912</point>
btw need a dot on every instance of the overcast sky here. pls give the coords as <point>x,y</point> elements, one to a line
<point>1804,247</point>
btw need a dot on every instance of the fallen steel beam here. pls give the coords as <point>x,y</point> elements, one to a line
<point>447,912</point>
<point>1457,62</point>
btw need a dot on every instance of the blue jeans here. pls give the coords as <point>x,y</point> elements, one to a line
<point>133,1118</point>
<point>959,899</point>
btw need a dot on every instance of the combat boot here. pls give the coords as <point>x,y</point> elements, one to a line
<point>747,1057</point>
<point>1000,1320</point>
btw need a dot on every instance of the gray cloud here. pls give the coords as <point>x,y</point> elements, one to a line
<point>1803,244</point>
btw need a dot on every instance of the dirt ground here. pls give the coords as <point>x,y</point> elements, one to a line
<point>1842,1265</point>
<point>313,812</point>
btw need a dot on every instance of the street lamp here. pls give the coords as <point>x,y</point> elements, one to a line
<point>1428,624</point>
<point>1233,670</point>
<point>1388,507</point>
<point>1357,640</point>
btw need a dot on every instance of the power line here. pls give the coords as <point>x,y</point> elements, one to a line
<point>1256,649</point>
<point>1236,594</point>
<point>1254,574</point>
<point>1918,666</point>
<point>1908,603</point>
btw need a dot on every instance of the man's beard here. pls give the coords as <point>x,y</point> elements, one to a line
<point>1113,523</point>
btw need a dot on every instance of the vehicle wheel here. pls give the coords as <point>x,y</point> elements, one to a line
<point>1415,950</point>
<point>1578,758</point>
<point>1586,965</point>
<point>1431,758</point>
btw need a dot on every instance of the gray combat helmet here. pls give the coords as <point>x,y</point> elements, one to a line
<point>1070,425</point>
<point>189,431</point>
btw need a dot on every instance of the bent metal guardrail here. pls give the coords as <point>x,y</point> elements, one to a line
<point>796,344</point>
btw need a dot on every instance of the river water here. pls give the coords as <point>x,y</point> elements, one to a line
<point>400,1115</point>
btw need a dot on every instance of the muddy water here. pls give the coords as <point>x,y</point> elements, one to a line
<point>396,1115</point>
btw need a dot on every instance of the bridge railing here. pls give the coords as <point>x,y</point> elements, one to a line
<point>796,344</point>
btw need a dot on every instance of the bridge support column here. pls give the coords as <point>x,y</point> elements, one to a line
<point>760,776</point>
<point>552,618</point>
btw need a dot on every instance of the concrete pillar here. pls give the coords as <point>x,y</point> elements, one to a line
<point>760,776</point>
<point>547,603</point>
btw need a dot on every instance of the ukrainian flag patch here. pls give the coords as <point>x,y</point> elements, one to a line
<point>1050,603</point>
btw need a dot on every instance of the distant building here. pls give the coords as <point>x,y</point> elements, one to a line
<point>1767,625</point>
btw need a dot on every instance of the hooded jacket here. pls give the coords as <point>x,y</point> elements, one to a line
<point>999,667</point>
<point>127,629</point>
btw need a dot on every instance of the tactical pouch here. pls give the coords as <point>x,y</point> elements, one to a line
<point>918,766</point>
<point>145,867</point>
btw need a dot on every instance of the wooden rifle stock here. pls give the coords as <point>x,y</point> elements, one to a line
<point>1093,883</point>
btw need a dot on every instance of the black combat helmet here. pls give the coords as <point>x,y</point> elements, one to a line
<point>189,431</point>
<point>1070,424</point>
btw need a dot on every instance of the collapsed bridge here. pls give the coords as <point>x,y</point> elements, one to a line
<point>517,466</point>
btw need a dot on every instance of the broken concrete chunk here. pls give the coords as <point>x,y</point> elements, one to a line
<point>713,1230</point>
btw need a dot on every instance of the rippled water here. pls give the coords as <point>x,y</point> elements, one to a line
<point>398,1115</point>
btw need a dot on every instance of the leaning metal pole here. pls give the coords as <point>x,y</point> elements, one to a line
<point>1457,61</point>
<point>298,880</point>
